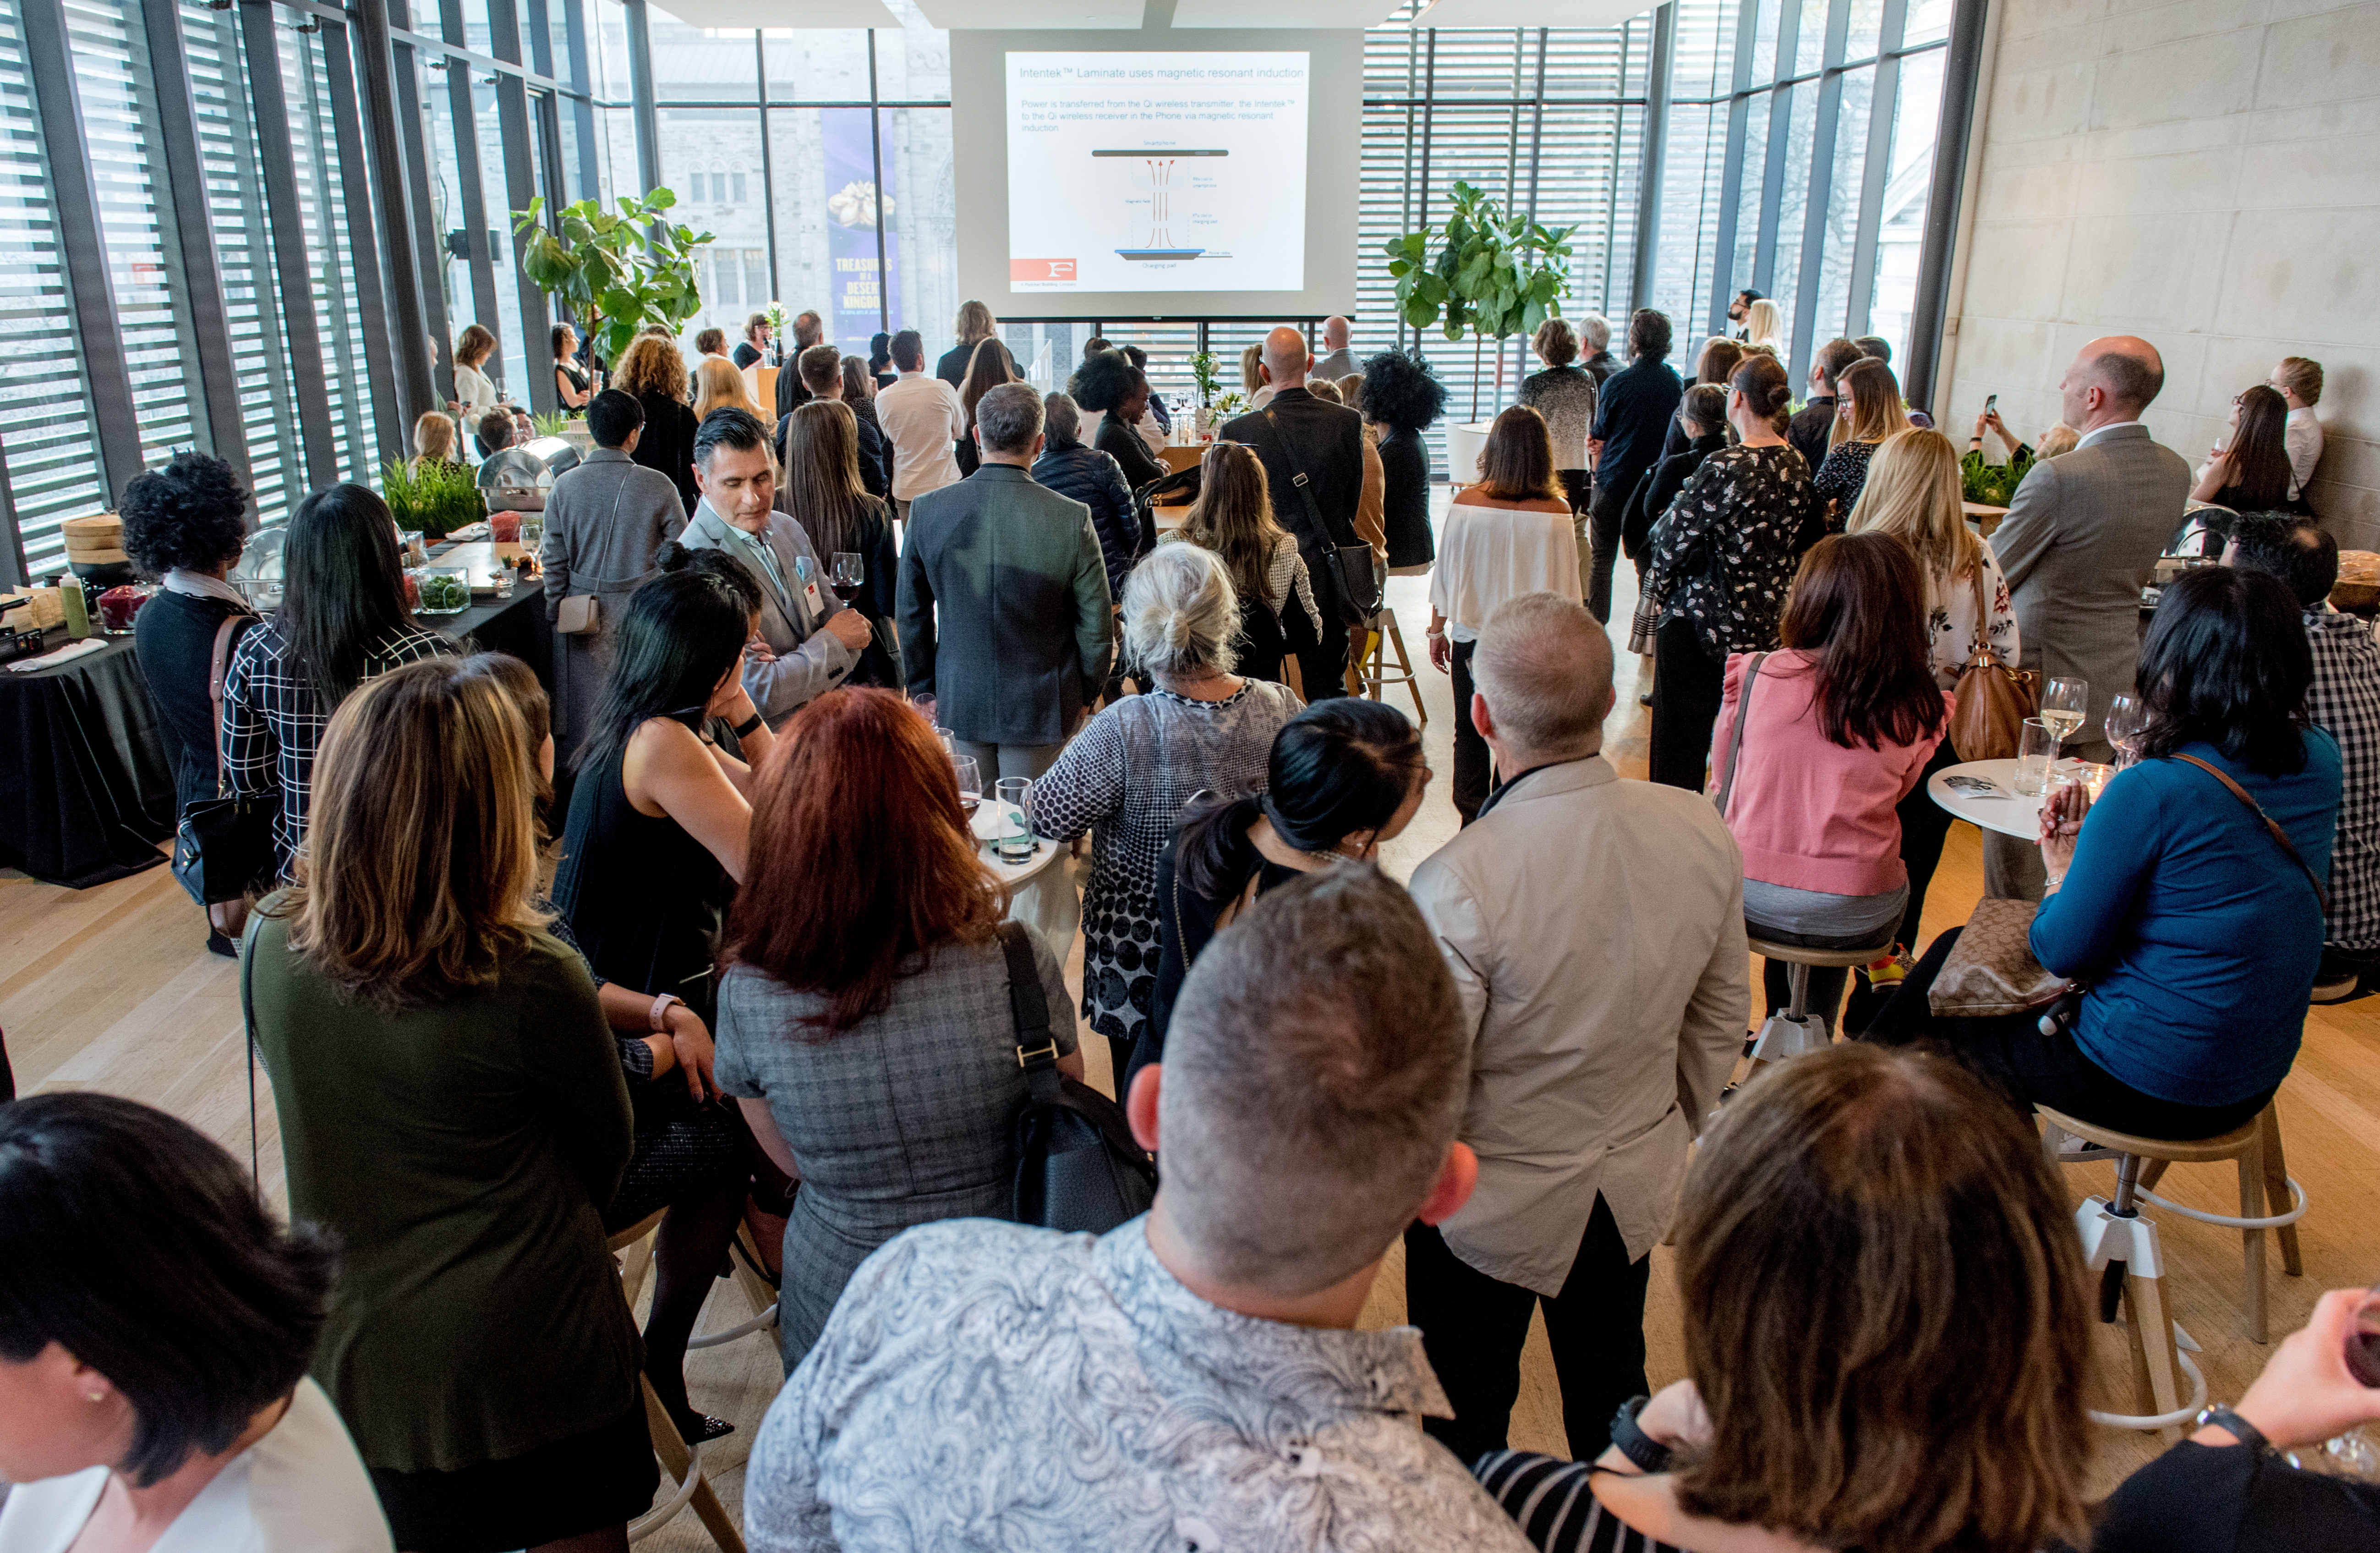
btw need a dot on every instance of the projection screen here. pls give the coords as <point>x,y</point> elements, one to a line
<point>1174,174</point>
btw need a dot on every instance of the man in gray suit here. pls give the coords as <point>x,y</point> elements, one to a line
<point>605,521</point>
<point>1337,362</point>
<point>809,642</point>
<point>2079,541</point>
<point>1005,617</point>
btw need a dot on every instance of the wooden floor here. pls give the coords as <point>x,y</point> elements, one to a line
<point>112,989</point>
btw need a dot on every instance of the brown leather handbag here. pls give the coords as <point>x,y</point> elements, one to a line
<point>1994,698</point>
<point>1991,969</point>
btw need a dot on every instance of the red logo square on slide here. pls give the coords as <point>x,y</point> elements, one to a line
<point>1040,269</point>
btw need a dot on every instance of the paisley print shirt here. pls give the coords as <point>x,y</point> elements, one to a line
<point>1725,553</point>
<point>989,1385</point>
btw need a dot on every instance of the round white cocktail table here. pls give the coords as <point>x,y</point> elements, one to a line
<point>1040,894</point>
<point>2004,809</point>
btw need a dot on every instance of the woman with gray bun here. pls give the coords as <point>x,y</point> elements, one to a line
<point>1199,727</point>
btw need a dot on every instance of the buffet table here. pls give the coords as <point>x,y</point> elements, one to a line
<point>85,765</point>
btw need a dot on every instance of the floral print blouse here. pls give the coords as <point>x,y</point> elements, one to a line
<point>1954,628</point>
<point>1841,478</point>
<point>1725,553</point>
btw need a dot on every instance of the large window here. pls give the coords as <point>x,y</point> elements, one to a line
<point>1799,163</point>
<point>257,227</point>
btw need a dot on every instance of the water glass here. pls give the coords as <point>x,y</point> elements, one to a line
<point>2034,749</point>
<point>1012,840</point>
<point>970,780</point>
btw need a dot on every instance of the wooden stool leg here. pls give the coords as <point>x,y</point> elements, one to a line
<point>2152,1172</point>
<point>674,1456</point>
<point>2157,1363</point>
<point>2251,1241</point>
<point>2276,1188</point>
<point>1404,664</point>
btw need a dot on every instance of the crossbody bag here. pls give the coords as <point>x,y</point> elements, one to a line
<point>1735,736</point>
<point>1357,582</point>
<point>222,846</point>
<point>1079,1167</point>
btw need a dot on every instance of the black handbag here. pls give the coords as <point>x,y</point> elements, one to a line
<point>1079,1167</point>
<point>1353,577</point>
<point>222,846</point>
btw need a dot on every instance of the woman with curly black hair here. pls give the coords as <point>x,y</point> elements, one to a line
<point>1110,386</point>
<point>185,524</point>
<point>1402,397</point>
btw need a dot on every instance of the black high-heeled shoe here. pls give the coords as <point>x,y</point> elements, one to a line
<point>701,1428</point>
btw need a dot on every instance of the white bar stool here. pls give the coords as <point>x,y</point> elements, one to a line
<point>2124,1249</point>
<point>1797,1029</point>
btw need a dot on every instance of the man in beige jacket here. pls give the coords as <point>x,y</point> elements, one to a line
<point>1595,928</point>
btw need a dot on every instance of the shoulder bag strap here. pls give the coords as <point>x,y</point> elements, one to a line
<point>2271,824</point>
<point>1983,648</point>
<point>227,637</point>
<point>1028,1006</point>
<point>1297,477</point>
<point>248,1017</point>
<point>1735,736</point>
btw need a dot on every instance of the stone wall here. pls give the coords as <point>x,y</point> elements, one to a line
<point>2205,174</point>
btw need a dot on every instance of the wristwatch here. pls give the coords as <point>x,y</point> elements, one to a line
<point>745,728</point>
<point>2239,1428</point>
<point>659,1017</point>
<point>1649,1454</point>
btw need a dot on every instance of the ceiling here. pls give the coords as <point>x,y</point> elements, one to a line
<point>1127,15</point>
<point>803,14</point>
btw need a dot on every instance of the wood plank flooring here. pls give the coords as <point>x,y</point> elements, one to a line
<point>112,989</point>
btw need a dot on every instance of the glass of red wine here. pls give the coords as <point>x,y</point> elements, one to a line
<point>846,572</point>
<point>2351,1454</point>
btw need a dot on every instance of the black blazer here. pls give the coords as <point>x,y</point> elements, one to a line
<point>1122,444</point>
<point>1660,487</point>
<point>792,392</point>
<point>1329,439</point>
<point>952,368</point>
<point>173,638</point>
<point>667,442</point>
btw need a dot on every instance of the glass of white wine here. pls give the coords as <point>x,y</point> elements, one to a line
<point>2062,706</point>
<point>970,780</point>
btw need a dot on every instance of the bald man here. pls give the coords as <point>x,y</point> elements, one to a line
<point>1338,504</point>
<point>1594,929</point>
<point>2081,540</point>
<point>1338,361</point>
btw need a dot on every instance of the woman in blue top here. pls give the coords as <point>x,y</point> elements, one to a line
<point>2194,931</point>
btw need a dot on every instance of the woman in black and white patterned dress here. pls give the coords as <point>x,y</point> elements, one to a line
<point>1722,560</point>
<point>1127,776</point>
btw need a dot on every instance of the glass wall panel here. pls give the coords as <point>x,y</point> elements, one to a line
<point>1901,229</point>
<point>711,159</point>
<point>330,257</point>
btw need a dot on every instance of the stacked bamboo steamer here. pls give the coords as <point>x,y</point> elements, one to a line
<point>94,541</point>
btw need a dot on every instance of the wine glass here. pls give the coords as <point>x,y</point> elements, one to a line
<point>2350,1454</point>
<point>2126,721</point>
<point>970,780</point>
<point>2062,706</point>
<point>848,572</point>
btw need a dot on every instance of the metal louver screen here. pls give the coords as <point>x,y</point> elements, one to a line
<point>46,417</point>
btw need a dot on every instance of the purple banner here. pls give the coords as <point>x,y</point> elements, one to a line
<point>854,205</point>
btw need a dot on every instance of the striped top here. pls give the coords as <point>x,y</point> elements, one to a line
<point>1555,1510</point>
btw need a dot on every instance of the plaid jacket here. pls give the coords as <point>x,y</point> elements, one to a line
<point>2345,698</point>
<point>273,720</point>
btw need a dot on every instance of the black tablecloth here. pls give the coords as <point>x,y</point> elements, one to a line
<point>87,780</point>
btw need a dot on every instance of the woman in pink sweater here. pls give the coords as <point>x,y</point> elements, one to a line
<point>1843,721</point>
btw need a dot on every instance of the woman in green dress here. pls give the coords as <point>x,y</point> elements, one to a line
<point>452,1109</point>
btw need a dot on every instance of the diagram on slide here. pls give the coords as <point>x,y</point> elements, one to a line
<point>1157,171</point>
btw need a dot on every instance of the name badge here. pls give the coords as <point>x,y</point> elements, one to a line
<point>810,592</point>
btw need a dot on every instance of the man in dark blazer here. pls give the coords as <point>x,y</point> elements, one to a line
<point>1297,432</point>
<point>1004,611</point>
<point>2081,539</point>
<point>1813,424</point>
<point>820,369</point>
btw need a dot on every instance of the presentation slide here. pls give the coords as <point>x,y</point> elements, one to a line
<point>1147,172</point>
<point>1161,173</point>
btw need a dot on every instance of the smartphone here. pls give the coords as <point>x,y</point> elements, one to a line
<point>1991,403</point>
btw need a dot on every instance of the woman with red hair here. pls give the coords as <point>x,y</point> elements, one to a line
<point>863,1019</point>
